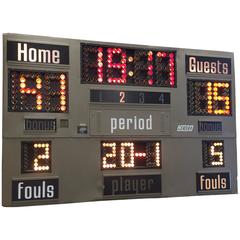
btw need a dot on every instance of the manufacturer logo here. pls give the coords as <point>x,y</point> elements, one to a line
<point>185,128</point>
<point>34,189</point>
<point>133,123</point>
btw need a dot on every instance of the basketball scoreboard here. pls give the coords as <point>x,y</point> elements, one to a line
<point>86,121</point>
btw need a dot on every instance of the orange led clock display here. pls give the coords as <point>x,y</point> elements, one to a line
<point>130,154</point>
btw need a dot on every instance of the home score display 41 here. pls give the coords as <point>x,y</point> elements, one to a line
<point>85,121</point>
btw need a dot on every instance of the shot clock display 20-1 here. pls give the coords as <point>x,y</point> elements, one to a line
<point>87,121</point>
<point>129,154</point>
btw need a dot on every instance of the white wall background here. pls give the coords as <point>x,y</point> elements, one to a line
<point>201,24</point>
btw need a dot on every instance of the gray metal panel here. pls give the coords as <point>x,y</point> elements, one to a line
<point>76,157</point>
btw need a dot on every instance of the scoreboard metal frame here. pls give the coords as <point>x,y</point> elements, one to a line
<point>86,121</point>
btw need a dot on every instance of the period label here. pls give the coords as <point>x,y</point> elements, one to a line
<point>126,122</point>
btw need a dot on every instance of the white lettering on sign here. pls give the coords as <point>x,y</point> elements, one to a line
<point>217,183</point>
<point>215,67</point>
<point>35,192</point>
<point>37,55</point>
<point>134,123</point>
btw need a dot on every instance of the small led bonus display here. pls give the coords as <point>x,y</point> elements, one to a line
<point>126,66</point>
<point>209,97</point>
<point>32,91</point>
<point>130,154</point>
<point>36,156</point>
<point>213,154</point>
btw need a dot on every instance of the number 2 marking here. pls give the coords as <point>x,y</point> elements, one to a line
<point>122,97</point>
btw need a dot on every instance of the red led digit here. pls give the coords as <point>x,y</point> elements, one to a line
<point>171,63</point>
<point>113,65</point>
<point>150,68</point>
<point>171,69</point>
